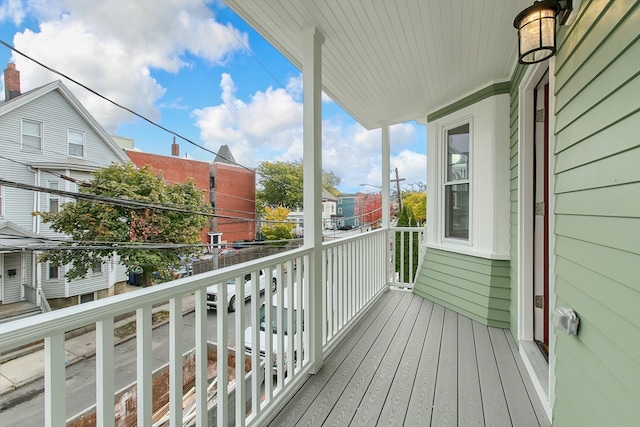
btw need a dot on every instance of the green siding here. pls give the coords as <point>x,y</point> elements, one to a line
<point>478,288</point>
<point>597,188</point>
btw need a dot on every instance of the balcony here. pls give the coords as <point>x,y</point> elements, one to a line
<point>365,351</point>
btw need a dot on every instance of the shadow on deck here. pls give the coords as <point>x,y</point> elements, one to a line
<point>413,362</point>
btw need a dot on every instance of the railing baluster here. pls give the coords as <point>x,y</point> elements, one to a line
<point>175,361</point>
<point>239,338</point>
<point>54,395</point>
<point>299,319</point>
<point>105,413</point>
<point>326,282</point>
<point>143,343</point>
<point>223,364</point>
<point>290,329</point>
<point>255,338</point>
<point>280,333</point>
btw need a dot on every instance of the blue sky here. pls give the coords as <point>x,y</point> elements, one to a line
<point>195,68</point>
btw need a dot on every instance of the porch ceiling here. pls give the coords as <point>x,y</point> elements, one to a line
<point>388,62</point>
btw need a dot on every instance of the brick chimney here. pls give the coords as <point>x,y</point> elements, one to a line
<point>11,82</point>
<point>175,148</point>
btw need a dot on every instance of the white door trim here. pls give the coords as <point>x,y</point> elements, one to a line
<point>543,379</point>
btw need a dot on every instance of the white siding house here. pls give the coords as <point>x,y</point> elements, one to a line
<point>48,140</point>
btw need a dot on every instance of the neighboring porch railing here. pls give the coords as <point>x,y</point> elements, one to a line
<point>354,273</point>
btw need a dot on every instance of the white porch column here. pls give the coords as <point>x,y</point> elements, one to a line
<point>312,175</point>
<point>386,181</point>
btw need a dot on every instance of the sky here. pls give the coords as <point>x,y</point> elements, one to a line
<point>197,69</point>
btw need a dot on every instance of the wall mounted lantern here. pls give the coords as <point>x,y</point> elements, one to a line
<point>537,29</point>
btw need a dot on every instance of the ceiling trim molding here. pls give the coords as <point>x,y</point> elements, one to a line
<point>491,90</point>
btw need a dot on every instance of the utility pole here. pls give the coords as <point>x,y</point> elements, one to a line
<point>397,181</point>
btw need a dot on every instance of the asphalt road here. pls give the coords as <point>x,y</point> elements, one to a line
<point>25,406</point>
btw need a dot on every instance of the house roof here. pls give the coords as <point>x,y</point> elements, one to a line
<point>388,62</point>
<point>224,156</point>
<point>57,85</point>
<point>14,238</point>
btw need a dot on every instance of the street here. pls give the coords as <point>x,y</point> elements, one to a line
<point>25,406</point>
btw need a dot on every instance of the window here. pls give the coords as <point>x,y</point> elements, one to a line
<point>54,200</point>
<point>97,267</point>
<point>31,135</point>
<point>53,271</point>
<point>87,298</point>
<point>1,201</point>
<point>339,211</point>
<point>212,182</point>
<point>340,200</point>
<point>456,183</point>
<point>76,143</point>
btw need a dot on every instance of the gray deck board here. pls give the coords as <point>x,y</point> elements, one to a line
<point>395,406</point>
<point>421,400</point>
<point>469,396</point>
<point>347,404</point>
<point>368,411</point>
<point>520,408</point>
<point>315,399</point>
<point>410,362</point>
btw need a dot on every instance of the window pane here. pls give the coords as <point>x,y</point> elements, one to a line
<point>31,128</point>
<point>458,153</point>
<point>53,271</point>
<point>457,211</point>
<point>76,143</point>
<point>54,204</point>
<point>30,142</point>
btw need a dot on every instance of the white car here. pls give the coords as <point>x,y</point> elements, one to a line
<point>212,291</point>
<point>272,332</point>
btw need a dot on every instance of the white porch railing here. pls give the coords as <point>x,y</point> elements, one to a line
<point>354,273</point>
<point>407,251</point>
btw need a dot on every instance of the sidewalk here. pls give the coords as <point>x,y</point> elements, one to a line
<point>29,367</point>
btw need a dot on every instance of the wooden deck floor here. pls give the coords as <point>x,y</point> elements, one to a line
<point>410,362</point>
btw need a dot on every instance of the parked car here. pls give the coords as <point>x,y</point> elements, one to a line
<point>212,291</point>
<point>345,227</point>
<point>272,331</point>
<point>227,251</point>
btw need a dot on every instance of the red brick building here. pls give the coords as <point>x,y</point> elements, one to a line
<point>233,197</point>
<point>176,169</point>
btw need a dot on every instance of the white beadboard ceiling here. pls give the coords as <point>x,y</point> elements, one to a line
<point>388,62</point>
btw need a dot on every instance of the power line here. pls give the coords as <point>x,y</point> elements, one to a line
<point>129,110</point>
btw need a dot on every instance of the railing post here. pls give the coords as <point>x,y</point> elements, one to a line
<point>54,378</point>
<point>312,177</point>
<point>105,413</point>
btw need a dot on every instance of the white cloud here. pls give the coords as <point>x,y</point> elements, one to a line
<point>113,47</point>
<point>12,10</point>
<point>270,122</point>
<point>269,127</point>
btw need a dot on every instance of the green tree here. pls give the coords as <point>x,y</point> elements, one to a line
<point>280,184</point>
<point>416,203</point>
<point>103,227</point>
<point>403,245</point>
<point>276,228</point>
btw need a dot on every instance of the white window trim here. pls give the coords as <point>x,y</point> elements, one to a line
<point>22,134</point>
<point>443,183</point>
<point>84,145</point>
<point>1,201</point>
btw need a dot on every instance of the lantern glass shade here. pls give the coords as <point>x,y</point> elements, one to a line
<point>537,32</point>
